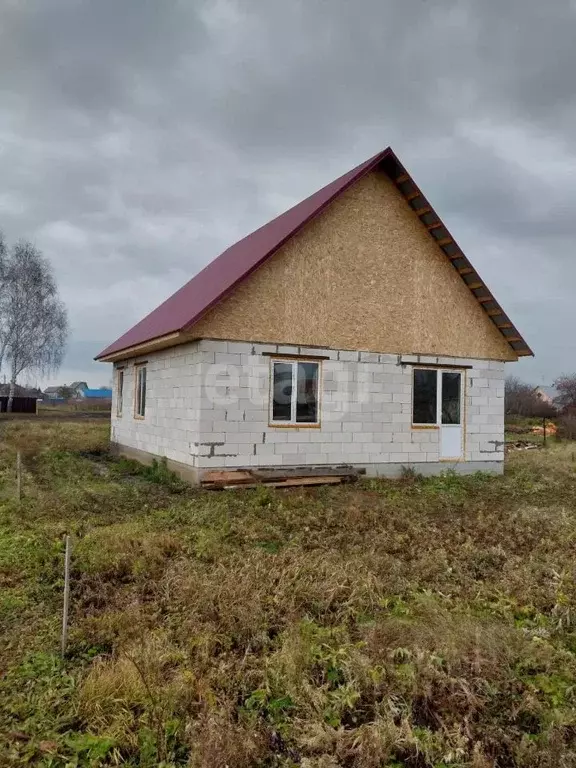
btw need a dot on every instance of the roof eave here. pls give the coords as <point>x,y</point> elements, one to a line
<point>440,233</point>
<point>135,350</point>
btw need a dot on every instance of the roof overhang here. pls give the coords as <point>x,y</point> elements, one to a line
<point>162,342</point>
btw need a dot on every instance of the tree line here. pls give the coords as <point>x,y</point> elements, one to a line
<point>33,319</point>
<point>522,399</point>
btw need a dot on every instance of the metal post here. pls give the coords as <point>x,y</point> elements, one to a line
<point>66,595</point>
<point>544,429</point>
<point>18,475</point>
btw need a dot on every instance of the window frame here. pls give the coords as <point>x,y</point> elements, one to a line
<point>120,380</point>
<point>138,368</point>
<point>439,370</point>
<point>293,424</point>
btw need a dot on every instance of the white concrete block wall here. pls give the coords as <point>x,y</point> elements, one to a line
<point>366,411</point>
<point>485,411</point>
<point>173,396</point>
<point>208,406</point>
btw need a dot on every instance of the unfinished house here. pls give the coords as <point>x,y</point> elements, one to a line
<point>351,330</point>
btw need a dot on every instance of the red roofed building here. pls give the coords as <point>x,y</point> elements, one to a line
<point>349,330</point>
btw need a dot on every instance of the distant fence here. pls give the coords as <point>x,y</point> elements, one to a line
<point>85,405</point>
<point>19,405</point>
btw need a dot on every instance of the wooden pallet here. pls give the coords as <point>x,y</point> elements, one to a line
<point>279,478</point>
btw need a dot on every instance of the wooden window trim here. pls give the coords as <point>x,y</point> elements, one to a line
<point>279,358</point>
<point>291,357</point>
<point>137,368</point>
<point>439,369</point>
<point>120,374</point>
<point>437,366</point>
<point>416,424</point>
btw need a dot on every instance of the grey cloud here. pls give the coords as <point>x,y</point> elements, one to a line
<point>139,138</point>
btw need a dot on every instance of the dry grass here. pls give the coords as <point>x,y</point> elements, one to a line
<point>425,623</point>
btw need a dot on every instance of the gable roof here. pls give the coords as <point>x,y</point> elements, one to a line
<point>219,278</point>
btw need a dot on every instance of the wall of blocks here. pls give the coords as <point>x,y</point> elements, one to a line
<point>208,407</point>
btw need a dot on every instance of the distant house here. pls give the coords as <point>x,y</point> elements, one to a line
<point>97,394</point>
<point>53,393</point>
<point>548,395</point>
<point>351,329</point>
<point>79,387</point>
<point>20,391</point>
<point>78,390</point>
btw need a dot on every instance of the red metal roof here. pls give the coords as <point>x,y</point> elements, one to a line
<point>221,276</point>
<point>208,287</point>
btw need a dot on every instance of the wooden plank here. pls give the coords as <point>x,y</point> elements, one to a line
<point>484,299</point>
<point>413,195</point>
<point>295,357</point>
<point>423,211</point>
<point>238,478</point>
<point>435,225</point>
<point>401,179</point>
<point>505,325</point>
<point>444,241</point>
<point>513,338</point>
<point>465,270</point>
<point>473,286</point>
<point>494,312</point>
<point>291,482</point>
<point>262,473</point>
<point>224,476</point>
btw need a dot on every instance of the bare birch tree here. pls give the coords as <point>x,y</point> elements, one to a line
<point>33,320</point>
<point>3,324</point>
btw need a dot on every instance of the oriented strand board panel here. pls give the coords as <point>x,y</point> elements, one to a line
<point>363,275</point>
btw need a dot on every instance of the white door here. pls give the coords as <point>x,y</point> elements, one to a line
<point>450,414</point>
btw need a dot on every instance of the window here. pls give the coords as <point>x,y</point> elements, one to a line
<point>119,392</point>
<point>140,400</point>
<point>295,392</point>
<point>424,410</point>
<point>437,397</point>
<point>451,397</point>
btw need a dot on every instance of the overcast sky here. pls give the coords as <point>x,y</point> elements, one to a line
<point>139,138</point>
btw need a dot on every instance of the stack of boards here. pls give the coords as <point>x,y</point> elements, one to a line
<point>279,478</point>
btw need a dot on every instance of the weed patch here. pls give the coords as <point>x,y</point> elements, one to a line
<point>425,622</point>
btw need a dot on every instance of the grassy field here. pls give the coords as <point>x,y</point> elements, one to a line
<point>417,622</point>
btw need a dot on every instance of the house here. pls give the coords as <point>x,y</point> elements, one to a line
<point>19,391</point>
<point>351,329</point>
<point>53,392</point>
<point>78,387</point>
<point>97,394</point>
<point>548,395</point>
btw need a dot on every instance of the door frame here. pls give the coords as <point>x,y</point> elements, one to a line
<point>462,424</point>
<point>439,369</point>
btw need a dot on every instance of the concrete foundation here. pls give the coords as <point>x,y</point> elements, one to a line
<point>194,475</point>
<point>184,471</point>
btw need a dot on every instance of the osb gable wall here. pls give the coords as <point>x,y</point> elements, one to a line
<point>366,275</point>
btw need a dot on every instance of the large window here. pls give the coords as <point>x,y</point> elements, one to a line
<point>140,399</point>
<point>425,398</point>
<point>295,388</point>
<point>119,392</point>
<point>436,397</point>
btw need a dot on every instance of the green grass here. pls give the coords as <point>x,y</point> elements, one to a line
<point>420,622</point>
